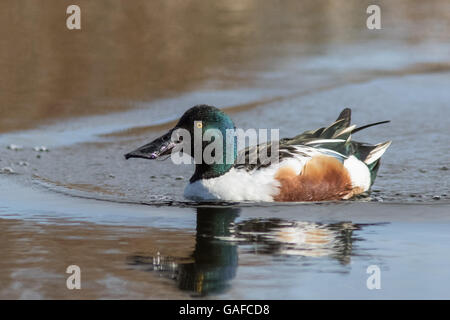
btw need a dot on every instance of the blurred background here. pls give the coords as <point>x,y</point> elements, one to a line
<point>127,53</point>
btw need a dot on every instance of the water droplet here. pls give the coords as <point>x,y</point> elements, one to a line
<point>41,149</point>
<point>7,170</point>
<point>14,147</point>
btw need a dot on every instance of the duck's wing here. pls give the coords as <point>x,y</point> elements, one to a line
<point>334,140</point>
<point>262,155</point>
<point>297,146</point>
<point>338,137</point>
<point>340,129</point>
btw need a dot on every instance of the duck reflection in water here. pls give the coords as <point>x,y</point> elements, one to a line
<point>214,261</point>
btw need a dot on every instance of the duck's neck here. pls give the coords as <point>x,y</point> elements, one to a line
<point>214,170</point>
<point>208,171</point>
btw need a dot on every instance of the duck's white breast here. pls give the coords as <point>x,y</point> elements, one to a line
<point>235,185</point>
<point>242,185</point>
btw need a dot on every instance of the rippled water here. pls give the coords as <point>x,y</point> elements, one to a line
<point>89,97</point>
<point>238,252</point>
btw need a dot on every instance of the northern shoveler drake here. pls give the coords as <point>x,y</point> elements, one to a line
<point>317,165</point>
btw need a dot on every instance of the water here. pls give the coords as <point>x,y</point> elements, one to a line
<point>92,96</point>
<point>231,252</point>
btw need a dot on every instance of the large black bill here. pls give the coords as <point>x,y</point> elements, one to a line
<point>158,147</point>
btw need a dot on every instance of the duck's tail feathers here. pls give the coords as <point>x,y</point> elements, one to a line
<point>369,125</point>
<point>376,153</point>
<point>371,156</point>
<point>345,115</point>
<point>337,128</point>
<point>337,136</point>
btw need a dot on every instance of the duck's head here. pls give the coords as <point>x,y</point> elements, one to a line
<point>197,120</point>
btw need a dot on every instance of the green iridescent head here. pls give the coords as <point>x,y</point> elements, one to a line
<point>205,124</point>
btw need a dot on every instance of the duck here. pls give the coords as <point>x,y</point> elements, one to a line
<point>317,165</point>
